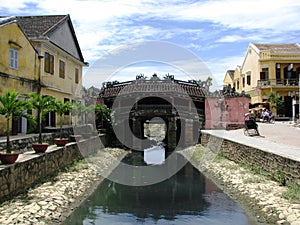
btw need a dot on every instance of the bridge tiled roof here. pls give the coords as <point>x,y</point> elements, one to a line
<point>159,86</point>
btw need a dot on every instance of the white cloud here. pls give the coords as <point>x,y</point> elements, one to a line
<point>102,26</point>
<point>246,14</point>
<point>219,66</point>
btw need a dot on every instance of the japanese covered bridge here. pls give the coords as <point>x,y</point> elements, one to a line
<point>179,104</point>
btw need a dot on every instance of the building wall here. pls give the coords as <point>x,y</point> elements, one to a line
<point>225,113</point>
<point>63,38</point>
<point>227,80</point>
<point>67,86</point>
<point>54,85</point>
<point>273,164</point>
<point>236,79</point>
<point>259,90</point>
<point>24,79</point>
<point>251,65</point>
<point>16,178</point>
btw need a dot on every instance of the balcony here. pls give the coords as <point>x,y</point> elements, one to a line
<point>278,83</point>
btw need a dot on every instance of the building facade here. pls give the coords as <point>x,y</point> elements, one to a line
<point>271,68</point>
<point>228,79</point>
<point>61,59</point>
<point>19,66</point>
<point>41,54</point>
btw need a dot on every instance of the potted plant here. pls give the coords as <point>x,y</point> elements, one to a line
<point>43,105</point>
<point>11,107</point>
<point>61,108</point>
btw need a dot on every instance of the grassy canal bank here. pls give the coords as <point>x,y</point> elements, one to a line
<point>265,198</point>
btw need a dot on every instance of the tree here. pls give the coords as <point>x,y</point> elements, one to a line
<point>102,115</point>
<point>61,108</point>
<point>77,109</point>
<point>43,105</point>
<point>275,101</point>
<point>11,108</point>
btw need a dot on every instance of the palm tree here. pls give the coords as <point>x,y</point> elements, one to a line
<point>12,108</point>
<point>43,105</point>
<point>61,108</point>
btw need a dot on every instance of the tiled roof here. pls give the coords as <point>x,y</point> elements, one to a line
<point>279,48</point>
<point>38,26</point>
<point>231,73</point>
<point>154,87</point>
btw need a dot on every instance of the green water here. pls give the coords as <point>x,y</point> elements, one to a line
<point>188,197</point>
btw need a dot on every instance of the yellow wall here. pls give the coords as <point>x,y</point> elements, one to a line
<point>28,64</point>
<point>251,65</point>
<point>57,87</point>
<point>227,80</point>
<point>237,77</point>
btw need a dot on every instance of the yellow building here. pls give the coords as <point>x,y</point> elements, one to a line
<point>228,79</point>
<point>19,66</point>
<point>61,65</point>
<point>40,54</point>
<point>271,68</point>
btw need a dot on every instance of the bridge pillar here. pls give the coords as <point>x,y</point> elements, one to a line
<point>171,133</point>
<point>189,132</point>
<point>125,133</point>
<point>137,131</point>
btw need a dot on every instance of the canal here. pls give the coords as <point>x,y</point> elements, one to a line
<point>187,197</point>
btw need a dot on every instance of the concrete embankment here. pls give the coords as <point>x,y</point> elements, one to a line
<point>51,201</point>
<point>267,200</point>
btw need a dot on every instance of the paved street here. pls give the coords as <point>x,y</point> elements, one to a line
<point>282,138</point>
<point>280,132</point>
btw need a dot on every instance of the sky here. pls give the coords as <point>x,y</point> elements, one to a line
<point>123,38</point>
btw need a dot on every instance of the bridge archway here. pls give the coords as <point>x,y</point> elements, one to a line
<point>179,104</point>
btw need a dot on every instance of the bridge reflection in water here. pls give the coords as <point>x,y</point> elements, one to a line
<point>188,197</point>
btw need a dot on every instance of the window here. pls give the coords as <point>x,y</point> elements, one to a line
<point>76,76</point>
<point>237,84</point>
<point>264,75</point>
<point>278,73</point>
<point>13,58</point>
<point>67,100</point>
<point>243,82</point>
<point>61,69</point>
<point>49,63</point>
<point>248,78</point>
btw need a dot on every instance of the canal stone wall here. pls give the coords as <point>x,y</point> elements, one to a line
<point>281,168</point>
<point>23,143</point>
<point>30,167</point>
